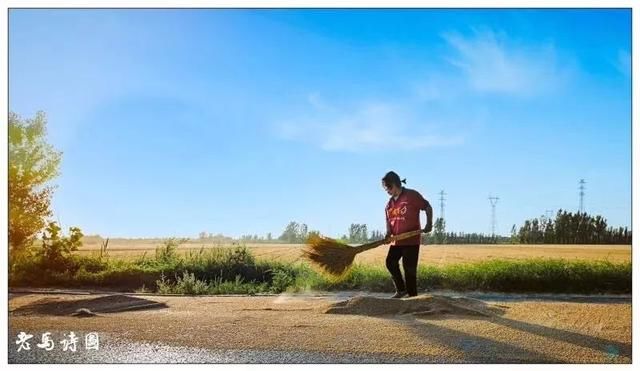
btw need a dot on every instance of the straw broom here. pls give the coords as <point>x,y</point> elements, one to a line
<point>335,258</point>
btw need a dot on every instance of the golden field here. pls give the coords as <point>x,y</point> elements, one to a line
<point>439,255</point>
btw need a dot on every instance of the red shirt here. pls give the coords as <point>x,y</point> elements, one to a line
<point>403,215</point>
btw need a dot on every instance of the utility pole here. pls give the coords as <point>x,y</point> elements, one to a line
<point>493,200</point>
<point>582,183</point>
<point>548,214</point>
<point>442,204</point>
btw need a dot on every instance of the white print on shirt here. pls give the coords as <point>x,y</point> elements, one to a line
<point>397,213</point>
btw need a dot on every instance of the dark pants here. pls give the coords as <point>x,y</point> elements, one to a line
<point>409,255</point>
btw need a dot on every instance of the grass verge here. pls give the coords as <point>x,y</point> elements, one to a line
<point>236,271</point>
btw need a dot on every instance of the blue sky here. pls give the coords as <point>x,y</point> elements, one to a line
<point>173,122</point>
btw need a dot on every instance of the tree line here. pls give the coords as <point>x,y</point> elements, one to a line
<point>439,236</point>
<point>357,233</point>
<point>571,228</point>
<point>566,228</point>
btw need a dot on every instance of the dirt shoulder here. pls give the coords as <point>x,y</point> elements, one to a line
<point>425,329</point>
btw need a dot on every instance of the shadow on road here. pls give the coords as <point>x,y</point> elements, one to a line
<point>477,349</point>
<point>474,348</point>
<point>569,298</point>
<point>104,304</point>
<point>610,347</point>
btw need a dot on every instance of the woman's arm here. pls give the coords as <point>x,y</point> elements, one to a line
<point>429,212</point>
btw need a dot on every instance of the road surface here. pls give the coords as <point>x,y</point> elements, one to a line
<point>301,328</point>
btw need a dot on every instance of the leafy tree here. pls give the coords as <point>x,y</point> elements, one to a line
<point>363,233</point>
<point>439,231</point>
<point>304,232</point>
<point>353,233</point>
<point>291,233</point>
<point>376,235</point>
<point>32,164</point>
<point>358,233</point>
<point>514,234</point>
<point>56,249</point>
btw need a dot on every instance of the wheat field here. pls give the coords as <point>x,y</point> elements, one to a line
<point>438,255</point>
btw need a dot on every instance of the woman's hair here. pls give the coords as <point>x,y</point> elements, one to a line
<point>392,178</point>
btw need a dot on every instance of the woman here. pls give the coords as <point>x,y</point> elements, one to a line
<point>403,215</point>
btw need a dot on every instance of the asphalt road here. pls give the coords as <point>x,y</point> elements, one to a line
<point>120,351</point>
<point>298,329</point>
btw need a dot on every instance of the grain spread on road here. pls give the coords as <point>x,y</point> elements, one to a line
<point>427,327</point>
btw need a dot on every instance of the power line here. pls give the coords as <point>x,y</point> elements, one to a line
<point>493,200</point>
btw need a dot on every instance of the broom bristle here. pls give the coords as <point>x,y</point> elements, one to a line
<point>331,256</point>
<point>335,257</point>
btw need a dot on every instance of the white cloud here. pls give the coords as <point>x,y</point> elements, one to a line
<point>494,64</point>
<point>370,127</point>
<point>439,87</point>
<point>485,62</point>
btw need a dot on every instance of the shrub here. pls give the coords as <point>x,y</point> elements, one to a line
<point>56,250</point>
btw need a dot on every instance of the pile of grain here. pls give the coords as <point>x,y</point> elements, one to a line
<point>424,305</point>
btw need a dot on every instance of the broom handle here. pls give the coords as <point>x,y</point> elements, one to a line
<point>401,236</point>
<point>404,235</point>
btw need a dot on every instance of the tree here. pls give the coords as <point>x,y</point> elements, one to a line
<point>376,235</point>
<point>439,231</point>
<point>549,232</point>
<point>364,233</point>
<point>514,235</point>
<point>291,233</point>
<point>358,233</point>
<point>353,233</point>
<point>304,231</point>
<point>313,233</point>
<point>32,164</point>
<point>56,249</point>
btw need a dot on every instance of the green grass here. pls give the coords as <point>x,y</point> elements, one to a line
<point>236,271</point>
<point>525,276</point>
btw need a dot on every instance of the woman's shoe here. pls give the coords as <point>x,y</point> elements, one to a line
<point>399,294</point>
